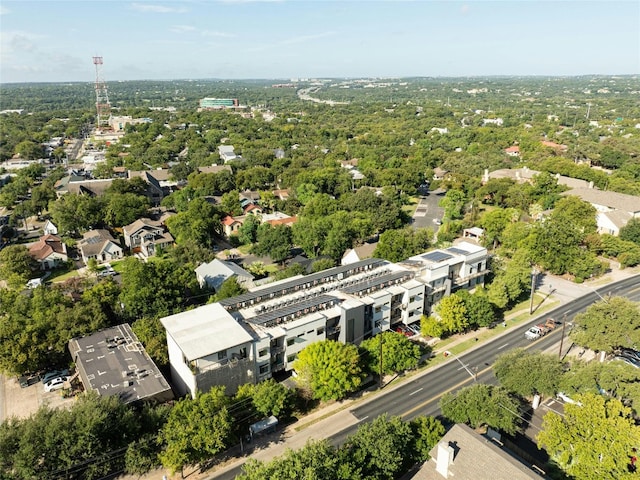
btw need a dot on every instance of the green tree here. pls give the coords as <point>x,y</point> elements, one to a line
<point>480,405</point>
<point>453,314</point>
<point>229,288</point>
<point>453,204</point>
<point>124,208</point>
<point>380,448</point>
<point>594,439</point>
<point>608,324</point>
<point>631,231</point>
<point>526,373</point>
<point>398,353</point>
<point>431,327</point>
<point>154,338</point>
<point>16,265</point>
<point>427,432</point>
<point>271,398</point>
<point>479,310</point>
<point>248,231</point>
<point>197,224</point>
<point>275,242</point>
<point>329,369</point>
<point>196,430</point>
<point>316,460</point>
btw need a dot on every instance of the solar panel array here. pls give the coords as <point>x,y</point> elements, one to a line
<point>288,312</point>
<point>377,283</point>
<point>437,256</point>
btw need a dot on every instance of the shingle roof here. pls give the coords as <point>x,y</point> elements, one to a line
<point>47,245</point>
<point>95,241</point>
<point>613,200</point>
<point>475,457</point>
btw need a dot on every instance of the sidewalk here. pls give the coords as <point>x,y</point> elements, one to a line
<point>332,418</point>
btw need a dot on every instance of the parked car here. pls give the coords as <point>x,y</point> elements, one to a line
<point>55,384</point>
<point>53,374</point>
<point>627,360</point>
<point>28,380</point>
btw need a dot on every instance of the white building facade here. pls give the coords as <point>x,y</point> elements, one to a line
<point>248,338</point>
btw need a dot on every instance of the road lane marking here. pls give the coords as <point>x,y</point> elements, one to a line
<point>418,390</point>
<point>363,419</point>
<point>505,345</point>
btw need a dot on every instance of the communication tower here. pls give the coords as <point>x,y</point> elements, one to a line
<point>103,107</point>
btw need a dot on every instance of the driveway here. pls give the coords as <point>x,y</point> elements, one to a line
<point>428,210</point>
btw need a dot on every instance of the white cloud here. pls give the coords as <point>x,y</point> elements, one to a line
<point>182,29</point>
<point>4,10</point>
<point>148,8</point>
<point>214,33</point>
<point>18,41</point>
<point>306,38</point>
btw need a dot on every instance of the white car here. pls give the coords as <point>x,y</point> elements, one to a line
<point>55,384</point>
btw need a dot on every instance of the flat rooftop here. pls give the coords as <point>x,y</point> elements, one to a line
<point>114,362</point>
<point>205,330</point>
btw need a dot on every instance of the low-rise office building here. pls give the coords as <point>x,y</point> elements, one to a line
<point>248,338</point>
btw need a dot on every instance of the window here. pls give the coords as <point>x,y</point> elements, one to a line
<point>320,331</point>
<point>378,309</point>
<point>291,358</point>
<point>222,355</point>
<point>412,299</point>
<point>309,332</point>
<point>290,341</point>
<point>264,369</point>
<point>262,352</point>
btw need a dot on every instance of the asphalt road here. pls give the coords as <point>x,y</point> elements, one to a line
<point>428,210</point>
<point>421,395</point>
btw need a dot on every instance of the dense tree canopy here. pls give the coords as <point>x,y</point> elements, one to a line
<point>329,369</point>
<point>527,373</point>
<point>594,439</point>
<point>608,324</point>
<point>398,353</point>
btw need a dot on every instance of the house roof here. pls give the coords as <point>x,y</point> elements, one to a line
<point>161,175</point>
<point>205,330</point>
<point>47,245</point>
<point>475,456</point>
<point>553,145</point>
<point>139,224</point>
<point>90,187</point>
<point>229,220</point>
<point>217,271</point>
<point>251,207</point>
<point>513,149</point>
<point>613,200</point>
<point>215,169</point>
<point>96,241</point>
<point>282,221</point>
<point>617,217</point>
<point>363,251</point>
<point>282,194</point>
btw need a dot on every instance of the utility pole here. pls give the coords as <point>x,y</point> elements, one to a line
<point>564,324</point>
<point>534,274</point>
<point>381,360</point>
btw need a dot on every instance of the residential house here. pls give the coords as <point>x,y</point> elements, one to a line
<point>216,272</point>
<point>253,209</point>
<point>464,454</point>
<point>613,210</point>
<point>49,228</point>
<point>282,194</point>
<point>227,153</point>
<point>356,254</point>
<point>278,218</point>
<point>215,169</point>
<point>100,245</point>
<point>439,173</point>
<point>113,362</point>
<point>513,151</point>
<point>265,328</point>
<point>49,251</point>
<point>158,183</point>
<point>80,185</point>
<point>525,174</point>
<point>145,236</point>
<point>231,225</point>
<point>554,146</point>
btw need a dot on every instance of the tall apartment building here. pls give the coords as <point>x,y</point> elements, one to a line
<point>246,339</point>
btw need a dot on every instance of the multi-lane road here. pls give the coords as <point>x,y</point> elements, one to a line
<point>421,394</point>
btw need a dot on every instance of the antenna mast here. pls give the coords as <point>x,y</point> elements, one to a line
<point>103,107</point>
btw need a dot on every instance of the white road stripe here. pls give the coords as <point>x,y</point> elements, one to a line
<point>413,393</point>
<point>500,348</point>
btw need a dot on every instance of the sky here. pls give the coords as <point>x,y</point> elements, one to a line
<point>56,40</point>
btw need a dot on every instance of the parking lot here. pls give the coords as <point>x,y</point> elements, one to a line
<point>16,401</point>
